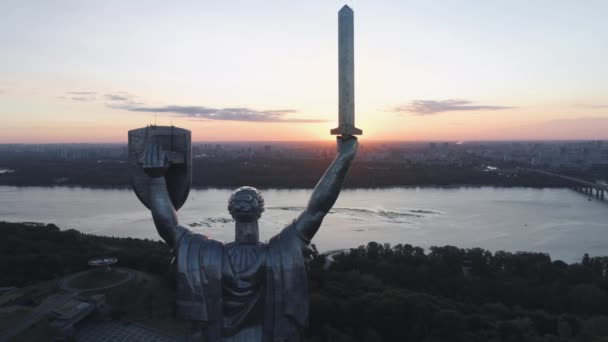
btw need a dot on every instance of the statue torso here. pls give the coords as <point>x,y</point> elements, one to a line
<point>243,286</point>
<point>243,292</point>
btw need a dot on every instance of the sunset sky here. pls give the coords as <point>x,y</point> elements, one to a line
<point>88,71</point>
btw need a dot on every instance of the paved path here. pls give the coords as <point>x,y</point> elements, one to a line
<point>329,257</point>
<point>64,283</point>
<point>36,314</point>
<point>57,300</point>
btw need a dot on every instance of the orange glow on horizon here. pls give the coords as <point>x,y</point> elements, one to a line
<point>112,127</point>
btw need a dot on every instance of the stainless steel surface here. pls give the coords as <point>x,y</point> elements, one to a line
<point>244,290</point>
<point>176,142</point>
<point>346,74</point>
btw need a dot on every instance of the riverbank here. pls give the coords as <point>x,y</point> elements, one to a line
<point>560,222</point>
<point>376,292</point>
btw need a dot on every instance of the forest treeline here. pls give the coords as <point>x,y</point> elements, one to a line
<point>264,173</point>
<point>377,292</point>
<point>30,253</point>
<point>400,293</point>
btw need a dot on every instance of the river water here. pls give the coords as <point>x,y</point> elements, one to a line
<point>560,222</point>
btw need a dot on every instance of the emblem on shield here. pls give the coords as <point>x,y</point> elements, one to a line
<point>176,142</point>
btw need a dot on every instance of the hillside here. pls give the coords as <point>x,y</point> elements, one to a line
<point>370,293</point>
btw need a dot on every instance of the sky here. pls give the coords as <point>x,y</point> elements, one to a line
<point>88,71</point>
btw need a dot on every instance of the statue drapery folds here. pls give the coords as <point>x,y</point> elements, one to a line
<point>245,290</point>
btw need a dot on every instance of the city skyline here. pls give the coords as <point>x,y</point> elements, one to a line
<point>243,71</point>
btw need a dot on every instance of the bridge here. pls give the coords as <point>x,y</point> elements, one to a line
<point>580,185</point>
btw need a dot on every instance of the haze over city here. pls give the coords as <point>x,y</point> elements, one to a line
<point>73,71</point>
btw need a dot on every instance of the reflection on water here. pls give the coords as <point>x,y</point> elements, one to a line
<point>557,221</point>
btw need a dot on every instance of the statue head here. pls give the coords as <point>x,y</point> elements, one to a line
<point>246,205</point>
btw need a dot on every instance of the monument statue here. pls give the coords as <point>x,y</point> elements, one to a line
<point>244,290</point>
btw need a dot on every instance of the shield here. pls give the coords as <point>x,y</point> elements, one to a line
<point>177,143</point>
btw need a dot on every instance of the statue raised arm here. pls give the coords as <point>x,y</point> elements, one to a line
<point>155,164</point>
<point>327,189</point>
<point>244,290</point>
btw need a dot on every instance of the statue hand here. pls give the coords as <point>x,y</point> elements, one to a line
<point>347,146</point>
<point>155,161</point>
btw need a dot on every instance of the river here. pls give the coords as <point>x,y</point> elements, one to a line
<point>560,222</point>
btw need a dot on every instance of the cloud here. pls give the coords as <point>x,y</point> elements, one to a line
<point>120,97</point>
<point>81,93</point>
<point>128,102</point>
<point>115,97</point>
<point>430,107</point>
<point>228,114</point>
<point>121,100</point>
<point>592,106</point>
<point>79,96</point>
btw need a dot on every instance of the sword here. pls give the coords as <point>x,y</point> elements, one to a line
<point>346,75</point>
